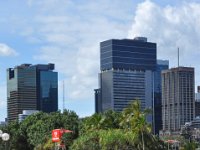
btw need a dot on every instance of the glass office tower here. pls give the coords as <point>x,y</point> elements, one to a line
<point>31,87</point>
<point>47,90</point>
<point>157,111</point>
<point>127,69</point>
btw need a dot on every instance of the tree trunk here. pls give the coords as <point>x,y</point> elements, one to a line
<point>142,142</point>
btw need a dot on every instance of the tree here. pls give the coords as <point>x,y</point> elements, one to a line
<point>134,120</point>
<point>112,139</point>
<point>190,146</point>
<point>110,119</point>
<point>114,131</point>
<point>117,139</point>
<point>87,141</point>
<point>106,120</point>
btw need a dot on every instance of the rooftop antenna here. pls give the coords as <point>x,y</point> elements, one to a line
<point>63,95</point>
<point>178,56</point>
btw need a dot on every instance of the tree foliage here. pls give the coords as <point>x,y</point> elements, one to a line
<point>107,120</point>
<point>35,130</point>
<point>116,131</point>
<point>190,146</point>
<point>107,131</point>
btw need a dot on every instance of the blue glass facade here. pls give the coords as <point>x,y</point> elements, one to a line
<point>31,87</point>
<point>127,54</point>
<point>161,65</point>
<point>48,98</point>
<point>127,68</point>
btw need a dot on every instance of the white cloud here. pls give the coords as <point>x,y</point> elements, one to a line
<point>5,50</point>
<point>171,27</point>
<point>73,40</point>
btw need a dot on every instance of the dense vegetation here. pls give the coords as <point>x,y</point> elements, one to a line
<point>110,130</point>
<point>35,130</point>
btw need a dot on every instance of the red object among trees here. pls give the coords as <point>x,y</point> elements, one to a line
<point>172,141</point>
<point>57,134</point>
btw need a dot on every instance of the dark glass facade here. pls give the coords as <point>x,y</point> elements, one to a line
<point>31,87</point>
<point>197,108</point>
<point>161,65</point>
<point>48,98</point>
<point>97,97</point>
<point>127,68</point>
<point>197,102</point>
<point>127,54</point>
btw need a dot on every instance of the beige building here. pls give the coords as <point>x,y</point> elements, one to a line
<point>178,101</point>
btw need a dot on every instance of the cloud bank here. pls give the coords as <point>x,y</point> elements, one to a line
<point>72,40</point>
<point>171,27</point>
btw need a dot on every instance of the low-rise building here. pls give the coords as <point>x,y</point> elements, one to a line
<point>26,113</point>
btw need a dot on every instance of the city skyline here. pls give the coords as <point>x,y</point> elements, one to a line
<point>68,34</point>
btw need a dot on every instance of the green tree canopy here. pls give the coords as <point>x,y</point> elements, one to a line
<point>35,130</point>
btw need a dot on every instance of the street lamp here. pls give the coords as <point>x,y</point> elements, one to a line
<point>5,137</point>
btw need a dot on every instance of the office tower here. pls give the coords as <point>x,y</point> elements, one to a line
<point>157,109</point>
<point>197,102</point>
<point>127,68</point>
<point>31,87</point>
<point>197,95</point>
<point>177,97</point>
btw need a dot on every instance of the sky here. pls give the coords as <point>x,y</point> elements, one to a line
<point>68,32</point>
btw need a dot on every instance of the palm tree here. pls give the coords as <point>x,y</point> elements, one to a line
<point>134,119</point>
<point>91,123</point>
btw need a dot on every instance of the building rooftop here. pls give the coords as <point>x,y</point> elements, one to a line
<point>181,68</point>
<point>49,66</point>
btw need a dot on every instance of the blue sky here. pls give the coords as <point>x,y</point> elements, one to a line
<point>68,32</point>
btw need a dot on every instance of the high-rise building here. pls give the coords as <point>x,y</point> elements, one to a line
<point>197,102</point>
<point>127,68</point>
<point>157,109</point>
<point>197,95</point>
<point>177,97</point>
<point>31,87</point>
